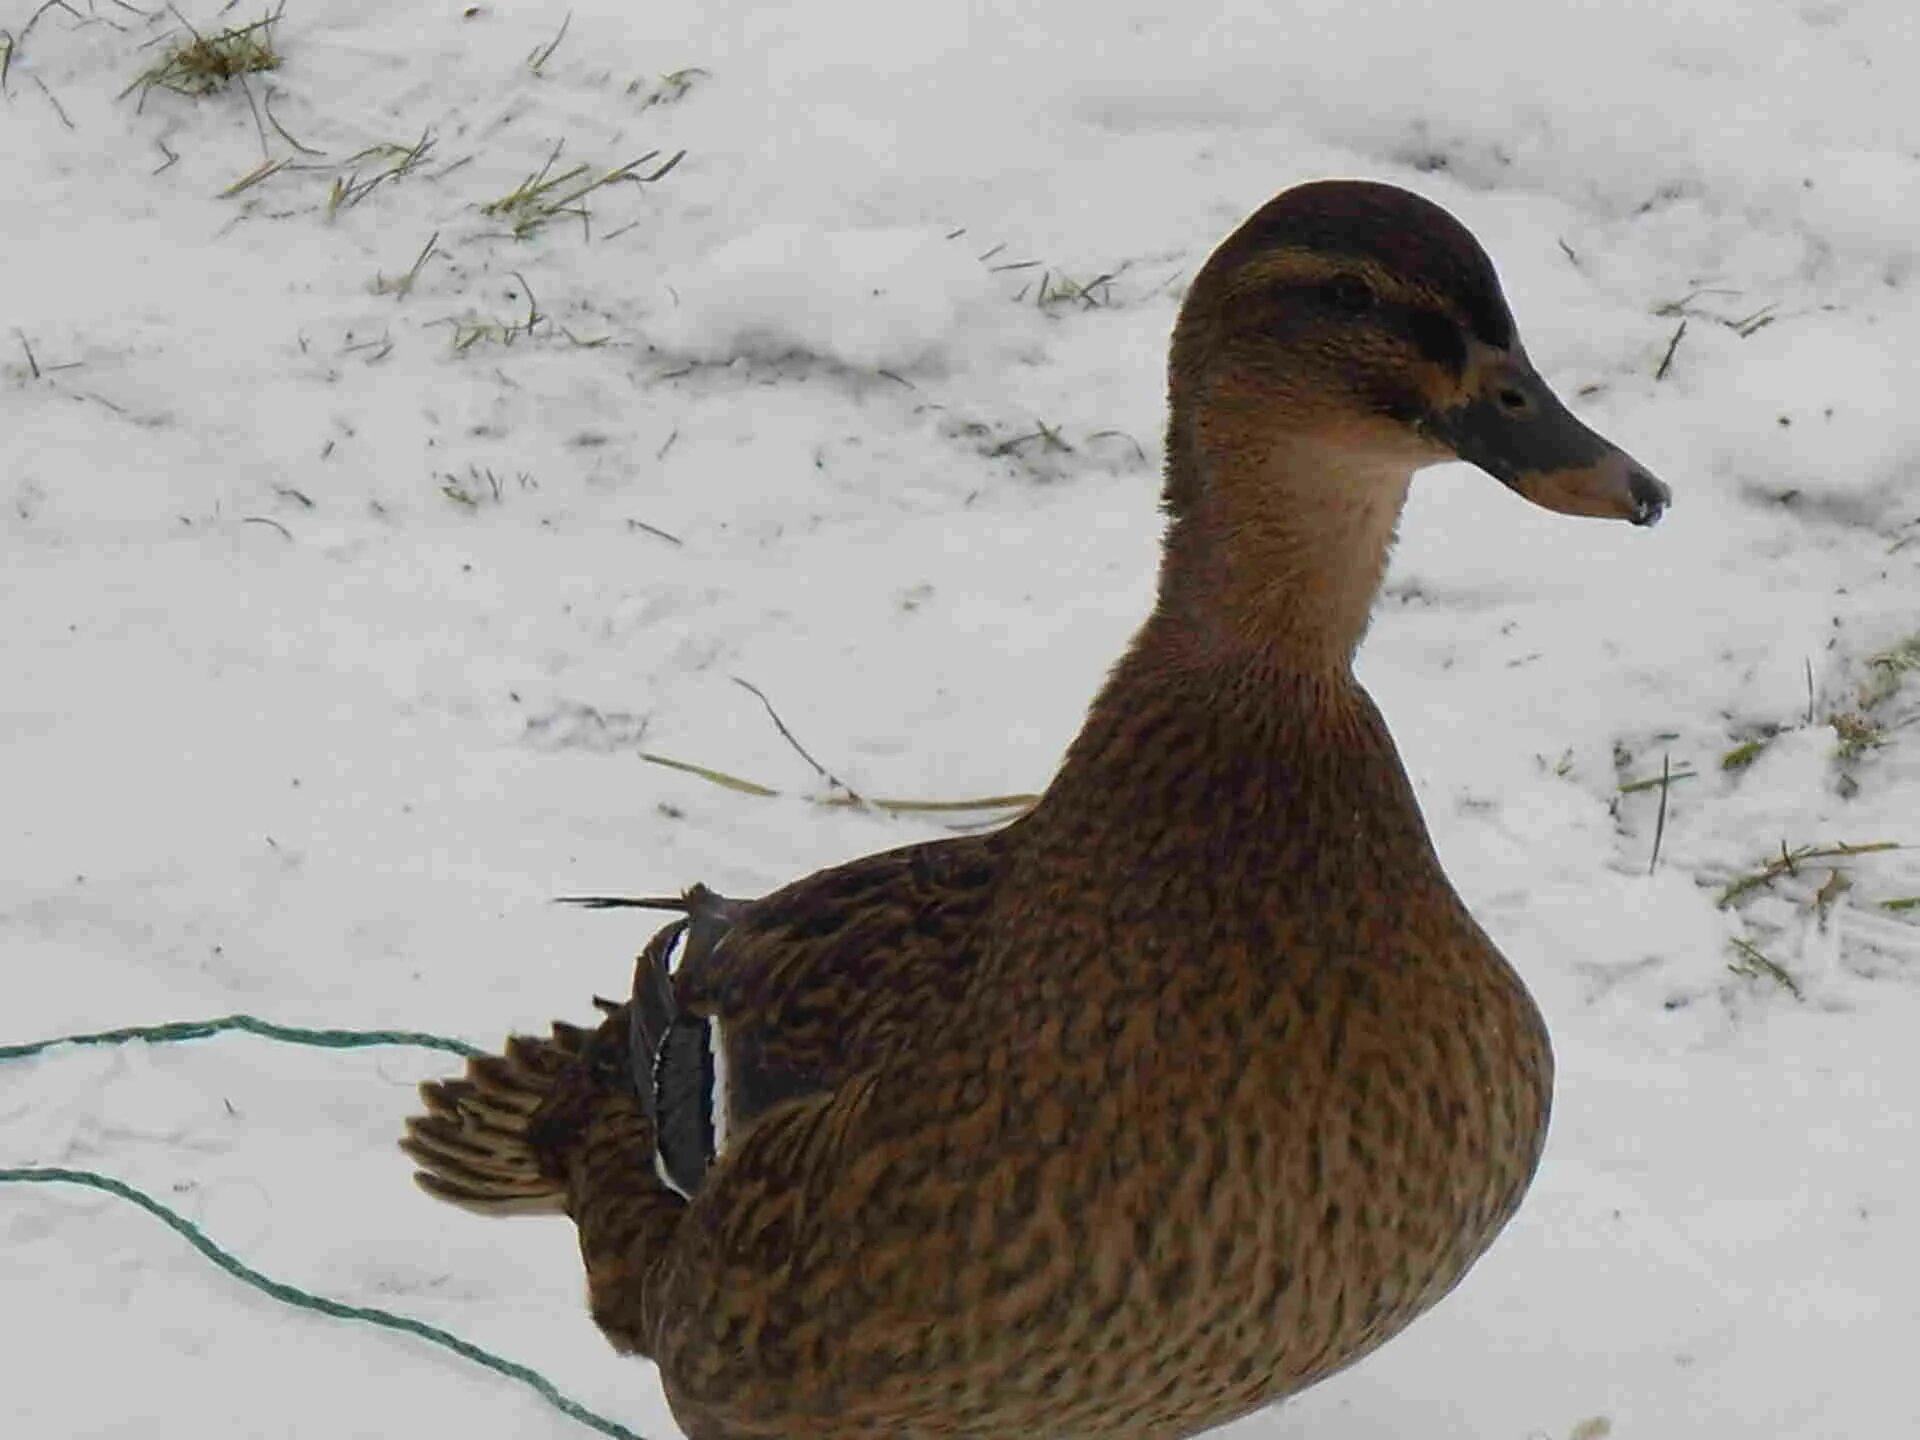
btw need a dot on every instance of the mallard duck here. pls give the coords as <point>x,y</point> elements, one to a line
<point>1182,1092</point>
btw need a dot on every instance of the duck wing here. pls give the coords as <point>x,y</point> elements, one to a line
<point>742,1007</point>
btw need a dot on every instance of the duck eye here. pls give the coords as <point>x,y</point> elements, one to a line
<point>1348,294</point>
<point>1513,401</point>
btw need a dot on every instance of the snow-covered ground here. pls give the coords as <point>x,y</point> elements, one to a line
<point>340,593</point>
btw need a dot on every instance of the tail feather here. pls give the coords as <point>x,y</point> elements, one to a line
<point>473,1145</point>
<point>565,1125</point>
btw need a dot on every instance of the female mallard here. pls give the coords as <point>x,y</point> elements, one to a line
<point>1183,1091</point>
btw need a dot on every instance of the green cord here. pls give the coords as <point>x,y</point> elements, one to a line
<point>252,1025</point>
<point>307,1300</point>
<point>239,1269</point>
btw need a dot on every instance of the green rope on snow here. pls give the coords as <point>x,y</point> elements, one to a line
<point>290,1294</point>
<point>307,1300</point>
<point>252,1025</point>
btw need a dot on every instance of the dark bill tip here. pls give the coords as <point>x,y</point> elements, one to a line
<point>1649,497</point>
<point>1615,487</point>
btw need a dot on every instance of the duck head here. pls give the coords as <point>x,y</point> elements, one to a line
<point>1344,336</point>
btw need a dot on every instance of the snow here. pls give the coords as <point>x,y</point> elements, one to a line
<point>874,299</point>
<point>336,609</point>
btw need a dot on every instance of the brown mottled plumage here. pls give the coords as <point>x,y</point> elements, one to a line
<point>1182,1092</point>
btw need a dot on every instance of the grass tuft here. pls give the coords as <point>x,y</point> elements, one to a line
<point>471,332</point>
<point>402,286</point>
<point>1856,733</point>
<point>1049,436</point>
<point>480,486</point>
<point>1866,727</point>
<point>401,160</point>
<point>1888,669</point>
<point>544,196</point>
<point>1745,326</point>
<point>204,64</point>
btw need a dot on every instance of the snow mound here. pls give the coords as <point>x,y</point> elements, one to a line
<point>872,299</point>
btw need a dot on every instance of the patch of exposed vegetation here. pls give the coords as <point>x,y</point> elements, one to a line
<point>1866,726</point>
<point>389,162</point>
<point>1788,862</point>
<point>545,196</point>
<point>1888,670</point>
<point>1856,734</point>
<point>480,486</point>
<point>197,64</point>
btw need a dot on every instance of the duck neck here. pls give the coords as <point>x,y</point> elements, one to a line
<point>1273,558</point>
<point>1209,778</point>
<point>1233,732</point>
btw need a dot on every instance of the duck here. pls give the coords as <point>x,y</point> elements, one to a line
<point>1180,1093</point>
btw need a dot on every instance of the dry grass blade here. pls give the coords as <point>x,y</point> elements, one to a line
<point>1667,778</point>
<point>1093,294</point>
<point>1788,862</point>
<point>534,317</point>
<point>403,286</point>
<point>1754,964</point>
<point>672,88</point>
<point>834,782</point>
<point>538,59</point>
<point>623,902</point>
<point>981,805</point>
<point>1049,436</point>
<point>54,101</point>
<point>266,104</point>
<point>266,170</point>
<point>1757,321</point>
<point>716,777</point>
<point>655,530</point>
<point>1017,801</point>
<point>1666,360</point>
<point>34,19</point>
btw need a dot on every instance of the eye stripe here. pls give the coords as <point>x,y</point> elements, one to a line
<point>1436,337</point>
<point>1435,334</point>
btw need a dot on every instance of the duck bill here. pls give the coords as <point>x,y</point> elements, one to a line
<point>1514,427</point>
